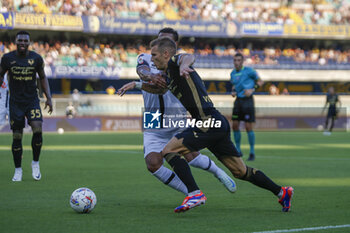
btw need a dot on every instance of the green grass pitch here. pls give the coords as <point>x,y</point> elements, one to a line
<point>131,200</point>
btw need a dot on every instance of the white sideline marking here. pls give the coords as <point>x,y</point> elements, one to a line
<point>306,229</point>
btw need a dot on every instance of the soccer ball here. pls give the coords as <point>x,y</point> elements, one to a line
<point>60,130</point>
<point>83,200</point>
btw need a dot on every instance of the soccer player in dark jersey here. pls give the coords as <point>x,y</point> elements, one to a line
<point>22,66</point>
<point>209,128</point>
<point>244,81</point>
<point>332,101</point>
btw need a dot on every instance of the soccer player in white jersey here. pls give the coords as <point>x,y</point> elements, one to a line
<point>155,140</point>
<point>4,102</point>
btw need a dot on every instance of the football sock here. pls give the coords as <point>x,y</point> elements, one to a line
<point>332,124</point>
<point>37,140</point>
<point>237,137</point>
<point>17,152</point>
<point>251,139</point>
<point>258,178</point>
<point>205,163</point>
<point>169,178</point>
<point>181,168</point>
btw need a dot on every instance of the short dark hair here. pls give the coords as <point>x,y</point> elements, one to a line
<point>239,55</point>
<point>171,31</point>
<point>163,43</point>
<point>22,33</point>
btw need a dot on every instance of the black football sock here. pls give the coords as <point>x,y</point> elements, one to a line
<point>17,151</point>
<point>258,178</point>
<point>37,140</point>
<point>182,170</point>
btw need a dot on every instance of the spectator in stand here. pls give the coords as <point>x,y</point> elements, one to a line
<point>273,90</point>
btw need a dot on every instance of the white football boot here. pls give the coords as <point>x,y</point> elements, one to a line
<point>18,174</point>
<point>36,171</point>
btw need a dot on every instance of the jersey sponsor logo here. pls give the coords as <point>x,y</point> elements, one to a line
<point>30,61</point>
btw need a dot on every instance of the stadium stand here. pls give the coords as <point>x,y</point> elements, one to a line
<point>310,11</point>
<point>219,56</point>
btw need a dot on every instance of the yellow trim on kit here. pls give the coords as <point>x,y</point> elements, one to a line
<point>197,100</point>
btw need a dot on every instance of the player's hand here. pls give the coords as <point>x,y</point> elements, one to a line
<point>129,86</point>
<point>185,71</point>
<point>248,92</point>
<point>159,81</point>
<point>233,94</point>
<point>48,103</point>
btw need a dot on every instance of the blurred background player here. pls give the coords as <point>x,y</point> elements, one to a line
<point>332,101</point>
<point>155,140</point>
<point>244,82</point>
<point>22,66</point>
<point>4,102</point>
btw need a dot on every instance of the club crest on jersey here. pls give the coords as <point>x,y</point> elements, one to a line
<point>30,61</point>
<point>140,60</point>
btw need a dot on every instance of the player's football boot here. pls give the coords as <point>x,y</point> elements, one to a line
<point>36,171</point>
<point>251,157</point>
<point>191,202</point>
<point>226,181</point>
<point>18,175</point>
<point>286,198</point>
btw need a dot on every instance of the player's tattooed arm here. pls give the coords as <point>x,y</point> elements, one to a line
<point>153,88</point>
<point>186,60</point>
<point>46,89</point>
<point>144,73</point>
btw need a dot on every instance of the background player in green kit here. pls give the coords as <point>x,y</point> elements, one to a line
<point>22,66</point>
<point>244,81</point>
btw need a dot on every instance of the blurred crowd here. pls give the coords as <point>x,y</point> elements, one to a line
<point>125,55</point>
<point>276,11</point>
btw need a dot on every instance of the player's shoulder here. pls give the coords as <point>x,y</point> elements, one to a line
<point>33,54</point>
<point>9,54</point>
<point>249,69</point>
<point>144,58</point>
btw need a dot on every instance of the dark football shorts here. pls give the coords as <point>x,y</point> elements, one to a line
<point>332,112</point>
<point>244,110</point>
<point>217,140</point>
<point>20,111</point>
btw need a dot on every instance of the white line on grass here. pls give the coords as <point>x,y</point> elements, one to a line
<point>306,229</point>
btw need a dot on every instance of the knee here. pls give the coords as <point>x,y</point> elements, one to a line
<point>235,126</point>
<point>153,162</point>
<point>190,156</point>
<point>239,173</point>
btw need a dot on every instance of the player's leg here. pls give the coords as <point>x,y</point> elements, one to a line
<point>235,125</point>
<point>171,153</point>
<point>248,111</point>
<point>17,151</point>
<point>228,155</point>
<point>258,178</point>
<point>17,122</point>
<point>34,117</point>
<point>251,139</point>
<point>153,144</point>
<point>198,160</point>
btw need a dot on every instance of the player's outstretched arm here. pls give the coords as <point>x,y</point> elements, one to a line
<point>129,86</point>
<point>46,89</point>
<point>186,60</point>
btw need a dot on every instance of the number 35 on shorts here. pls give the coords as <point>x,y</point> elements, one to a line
<point>35,114</point>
